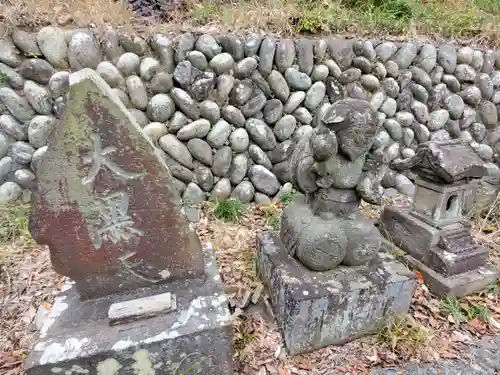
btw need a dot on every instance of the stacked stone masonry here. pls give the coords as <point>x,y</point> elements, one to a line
<point>228,110</point>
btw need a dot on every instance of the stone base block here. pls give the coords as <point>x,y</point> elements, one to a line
<point>195,338</point>
<point>459,285</point>
<point>406,231</point>
<point>317,309</point>
<point>457,263</point>
<point>421,241</point>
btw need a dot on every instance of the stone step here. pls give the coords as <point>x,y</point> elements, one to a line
<point>448,263</point>
<point>457,242</point>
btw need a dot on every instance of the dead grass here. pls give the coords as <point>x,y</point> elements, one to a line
<point>462,20</point>
<point>26,282</point>
<point>403,335</point>
<point>486,227</point>
<point>14,233</point>
<point>34,14</point>
<point>476,19</point>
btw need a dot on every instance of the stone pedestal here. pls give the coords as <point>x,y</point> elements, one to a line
<point>194,338</point>
<point>449,261</point>
<point>317,309</point>
<point>461,284</point>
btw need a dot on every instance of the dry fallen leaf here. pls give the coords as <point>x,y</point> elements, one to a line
<point>495,309</point>
<point>277,353</point>
<point>459,337</point>
<point>493,323</point>
<point>47,306</point>
<point>420,277</point>
<point>474,298</point>
<point>303,363</point>
<point>7,360</point>
<point>430,355</point>
<point>373,358</point>
<point>420,316</point>
<point>227,241</point>
<point>448,354</point>
<point>445,347</point>
<point>477,324</point>
<point>391,356</point>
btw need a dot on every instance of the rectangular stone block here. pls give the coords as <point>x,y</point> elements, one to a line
<point>145,307</point>
<point>459,285</point>
<point>407,232</point>
<point>448,263</point>
<point>317,309</point>
<point>196,338</point>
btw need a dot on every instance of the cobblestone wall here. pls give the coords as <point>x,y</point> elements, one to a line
<point>227,110</point>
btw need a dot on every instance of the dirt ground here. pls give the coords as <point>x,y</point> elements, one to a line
<point>433,330</point>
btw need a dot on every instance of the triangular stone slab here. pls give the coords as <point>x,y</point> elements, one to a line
<point>105,204</point>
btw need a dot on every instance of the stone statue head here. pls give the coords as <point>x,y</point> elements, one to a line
<point>355,125</point>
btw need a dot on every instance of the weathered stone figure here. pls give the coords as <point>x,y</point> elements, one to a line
<point>331,167</point>
<point>327,281</point>
<point>433,231</point>
<point>144,297</point>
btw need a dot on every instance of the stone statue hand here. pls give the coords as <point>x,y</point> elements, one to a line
<point>323,143</point>
<point>369,189</point>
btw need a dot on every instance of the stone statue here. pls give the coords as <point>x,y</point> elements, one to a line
<point>327,283</point>
<point>333,168</point>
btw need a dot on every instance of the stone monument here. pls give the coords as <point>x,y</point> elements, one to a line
<point>327,280</point>
<point>433,231</point>
<point>144,297</point>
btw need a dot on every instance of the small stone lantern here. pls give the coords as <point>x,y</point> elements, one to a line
<point>433,232</point>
